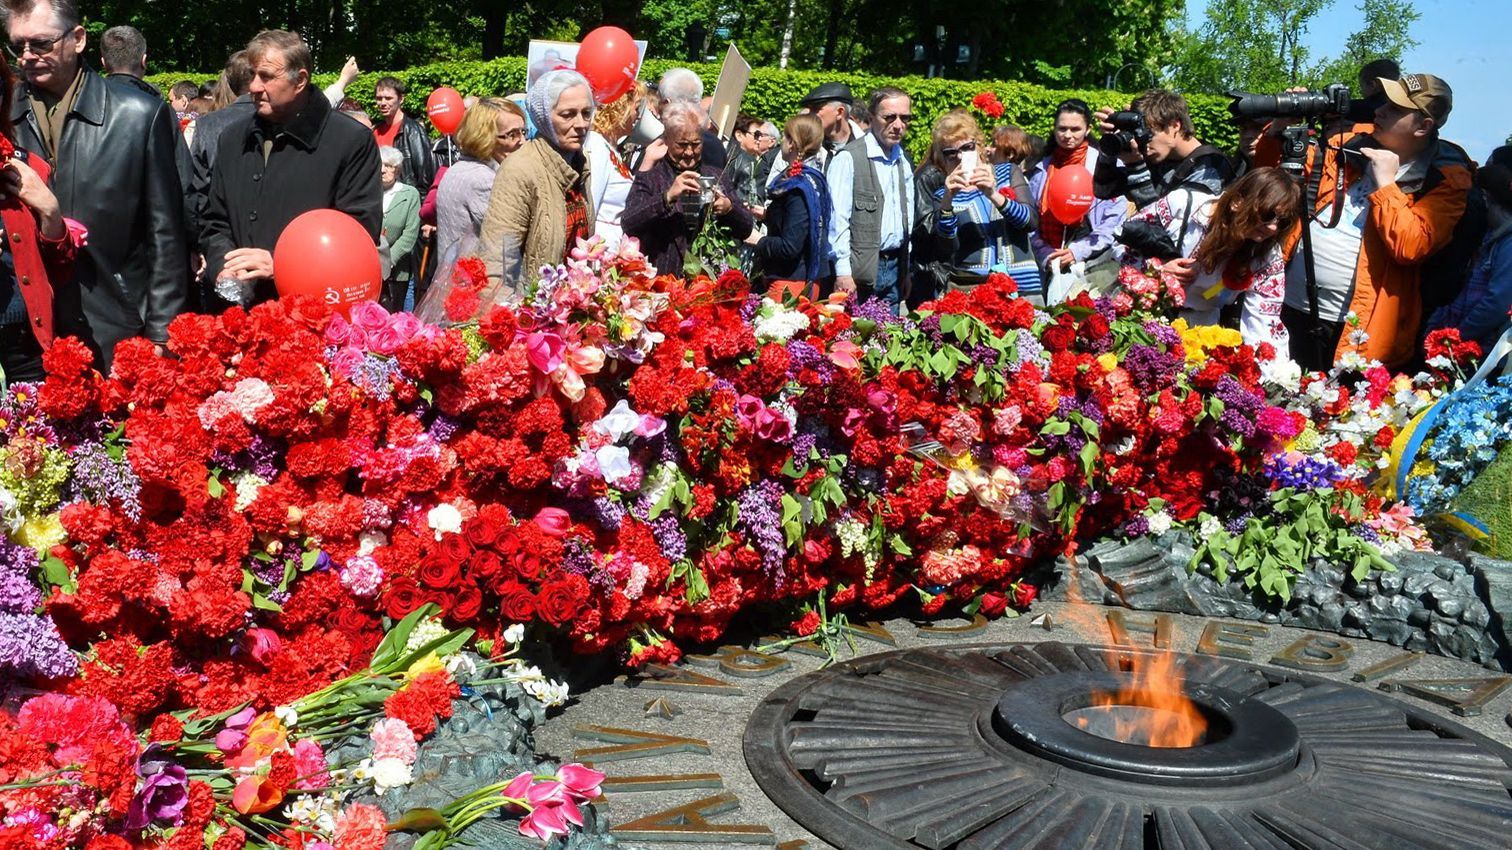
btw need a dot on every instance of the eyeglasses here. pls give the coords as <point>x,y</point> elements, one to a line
<point>517,133</point>
<point>904,118</point>
<point>968,146</point>
<point>37,46</point>
<point>687,146</point>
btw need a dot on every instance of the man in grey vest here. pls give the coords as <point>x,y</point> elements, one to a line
<point>871,187</point>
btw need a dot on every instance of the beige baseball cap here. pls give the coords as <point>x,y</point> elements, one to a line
<point>1423,93</point>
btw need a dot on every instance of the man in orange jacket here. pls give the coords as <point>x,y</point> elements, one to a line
<point>1400,194</point>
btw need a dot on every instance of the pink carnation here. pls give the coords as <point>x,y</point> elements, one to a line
<point>310,766</point>
<point>392,738</point>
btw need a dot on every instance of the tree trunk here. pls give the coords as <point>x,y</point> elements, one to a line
<point>494,18</point>
<point>832,31</point>
<point>787,35</point>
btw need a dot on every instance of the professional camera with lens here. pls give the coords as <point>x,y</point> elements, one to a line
<point>1332,101</point>
<point>1130,127</point>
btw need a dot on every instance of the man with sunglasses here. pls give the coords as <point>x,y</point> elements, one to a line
<point>112,149</point>
<point>751,163</point>
<point>871,187</point>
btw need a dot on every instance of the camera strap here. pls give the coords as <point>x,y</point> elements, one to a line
<point>1310,205</point>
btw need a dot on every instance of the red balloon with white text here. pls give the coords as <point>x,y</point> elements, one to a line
<point>327,255</point>
<point>444,106</point>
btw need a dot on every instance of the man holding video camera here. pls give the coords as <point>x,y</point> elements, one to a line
<point>1392,205</point>
<point>1150,150</point>
<point>670,202</point>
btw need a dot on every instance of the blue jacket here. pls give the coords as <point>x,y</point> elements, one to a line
<point>1480,311</point>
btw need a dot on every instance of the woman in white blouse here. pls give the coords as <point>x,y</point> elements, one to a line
<point>608,173</point>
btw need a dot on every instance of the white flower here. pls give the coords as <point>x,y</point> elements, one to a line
<point>369,541</point>
<point>444,519</point>
<point>461,666</point>
<point>619,422</point>
<point>426,631</point>
<point>613,463</point>
<point>777,323</point>
<point>315,811</point>
<point>550,693</point>
<point>1210,526</point>
<point>287,715</point>
<point>515,633</point>
<point>388,774</point>
<point>1159,522</point>
<point>247,486</point>
<point>1283,373</point>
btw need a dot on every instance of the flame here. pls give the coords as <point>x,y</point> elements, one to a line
<point>1173,719</point>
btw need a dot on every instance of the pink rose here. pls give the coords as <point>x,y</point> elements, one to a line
<point>386,340</point>
<point>545,350</point>
<point>406,325</point>
<point>347,361</point>
<point>369,316</point>
<point>340,332</point>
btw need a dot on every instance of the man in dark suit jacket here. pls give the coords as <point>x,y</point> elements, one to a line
<point>323,161</point>
<point>112,150</point>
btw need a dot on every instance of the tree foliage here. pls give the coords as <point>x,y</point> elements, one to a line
<point>1261,45</point>
<point>1065,42</point>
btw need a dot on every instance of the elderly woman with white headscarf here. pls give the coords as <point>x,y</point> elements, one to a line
<point>540,205</point>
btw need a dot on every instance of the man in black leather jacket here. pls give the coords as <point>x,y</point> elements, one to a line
<point>112,149</point>
<point>395,129</point>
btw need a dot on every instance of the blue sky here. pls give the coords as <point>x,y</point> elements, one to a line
<point>1463,41</point>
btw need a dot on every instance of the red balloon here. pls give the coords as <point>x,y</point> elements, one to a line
<point>1070,193</point>
<point>610,60</point>
<point>444,106</point>
<point>328,255</point>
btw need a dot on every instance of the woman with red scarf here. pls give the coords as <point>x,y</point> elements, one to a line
<point>1057,245</point>
<point>39,298</point>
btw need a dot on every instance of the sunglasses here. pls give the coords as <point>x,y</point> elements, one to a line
<point>903,118</point>
<point>37,46</point>
<point>957,151</point>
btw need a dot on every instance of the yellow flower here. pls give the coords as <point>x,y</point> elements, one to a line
<point>1108,361</point>
<point>429,663</point>
<point>41,533</point>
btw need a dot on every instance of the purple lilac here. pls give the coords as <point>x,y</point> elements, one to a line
<point>443,428</point>
<point>1148,367</point>
<point>879,311</point>
<point>31,646</point>
<point>17,593</point>
<point>1367,534</point>
<point>1029,348</point>
<point>762,523</point>
<point>1240,406</point>
<point>669,536</point>
<point>101,479</point>
<point>1136,527</point>
<point>1163,333</point>
<point>804,442</point>
<point>610,513</point>
<point>750,306</point>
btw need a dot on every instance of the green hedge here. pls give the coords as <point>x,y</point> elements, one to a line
<point>774,94</point>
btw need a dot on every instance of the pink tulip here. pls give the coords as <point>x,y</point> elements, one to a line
<point>517,787</point>
<point>581,782</point>
<point>263,644</point>
<point>773,426</point>
<point>545,350</point>
<point>543,823</point>
<point>845,354</point>
<point>230,740</point>
<point>586,359</point>
<point>747,407</point>
<point>554,521</point>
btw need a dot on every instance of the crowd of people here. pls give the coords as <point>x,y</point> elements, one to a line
<point>1378,231</point>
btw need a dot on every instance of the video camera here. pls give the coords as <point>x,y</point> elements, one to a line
<point>1333,101</point>
<point>1131,127</point>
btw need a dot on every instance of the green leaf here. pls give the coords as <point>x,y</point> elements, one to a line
<point>217,489</point>
<point>393,643</point>
<point>899,546</point>
<point>264,603</point>
<point>57,573</point>
<point>1056,428</point>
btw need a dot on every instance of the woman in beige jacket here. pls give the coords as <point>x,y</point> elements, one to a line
<point>540,205</point>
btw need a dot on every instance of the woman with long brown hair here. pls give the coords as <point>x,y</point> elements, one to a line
<point>39,298</point>
<point>1239,255</point>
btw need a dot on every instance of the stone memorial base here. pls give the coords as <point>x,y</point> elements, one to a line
<point>671,738</point>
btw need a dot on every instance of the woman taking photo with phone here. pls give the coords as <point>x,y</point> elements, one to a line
<point>978,225</point>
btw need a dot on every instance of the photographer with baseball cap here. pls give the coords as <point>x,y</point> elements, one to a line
<point>1386,201</point>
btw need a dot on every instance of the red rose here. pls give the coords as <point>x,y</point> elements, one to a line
<point>1058,337</point>
<point>483,533</point>
<point>993,605</point>
<point>484,565</point>
<point>466,604</point>
<point>1023,594</point>
<point>439,572</point>
<point>560,599</point>
<point>402,597</point>
<point>516,602</point>
<point>453,547</point>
